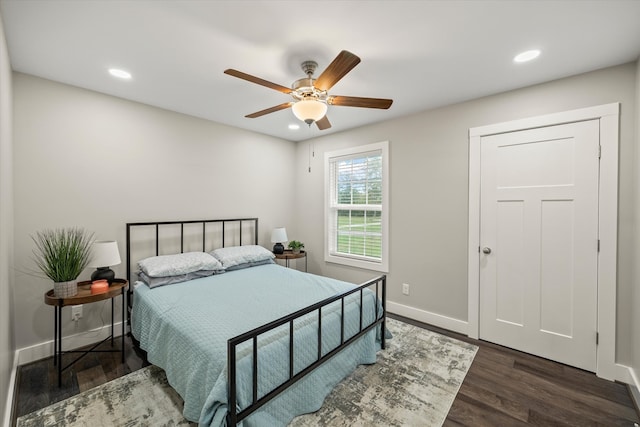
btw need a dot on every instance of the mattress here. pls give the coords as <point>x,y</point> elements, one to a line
<point>185,327</point>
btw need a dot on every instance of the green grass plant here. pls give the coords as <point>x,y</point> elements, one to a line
<point>62,254</point>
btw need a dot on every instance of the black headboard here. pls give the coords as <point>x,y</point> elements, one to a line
<point>215,232</point>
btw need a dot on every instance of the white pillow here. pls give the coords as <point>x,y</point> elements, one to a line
<point>154,282</point>
<point>236,255</point>
<point>175,265</point>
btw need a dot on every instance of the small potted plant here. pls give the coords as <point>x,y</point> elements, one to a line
<point>61,255</point>
<point>295,246</point>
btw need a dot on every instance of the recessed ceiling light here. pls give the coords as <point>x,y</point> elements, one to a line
<point>294,126</point>
<point>527,56</point>
<point>121,74</point>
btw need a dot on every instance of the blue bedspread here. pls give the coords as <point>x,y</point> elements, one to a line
<point>185,327</point>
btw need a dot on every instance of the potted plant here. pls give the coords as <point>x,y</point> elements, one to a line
<point>62,254</point>
<point>295,246</point>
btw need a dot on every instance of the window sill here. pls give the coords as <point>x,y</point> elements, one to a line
<point>353,262</point>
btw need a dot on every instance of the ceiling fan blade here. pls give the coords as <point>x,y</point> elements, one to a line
<point>269,110</point>
<point>354,101</point>
<point>341,65</point>
<point>323,123</point>
<point>257,80</point>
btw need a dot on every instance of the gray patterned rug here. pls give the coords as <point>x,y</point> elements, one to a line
<point>413,383</point>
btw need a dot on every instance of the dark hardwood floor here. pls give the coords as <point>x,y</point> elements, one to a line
<point>503,387</point>
<point>37,382</point>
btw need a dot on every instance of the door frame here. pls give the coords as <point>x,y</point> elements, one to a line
<point>608,116</point>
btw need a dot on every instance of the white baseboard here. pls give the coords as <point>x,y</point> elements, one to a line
<point>11,391</point>
<point>423,316</point>
<point>45,349</point>
<point>634,386</point>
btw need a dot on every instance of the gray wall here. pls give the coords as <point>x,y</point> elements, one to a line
<point>429,190</point>
<point>7,344</point>
<point>96,161</point>
<point>635,320</point>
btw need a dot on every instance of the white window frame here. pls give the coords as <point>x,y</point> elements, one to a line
<point>329,256</point>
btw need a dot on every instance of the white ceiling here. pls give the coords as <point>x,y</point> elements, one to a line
<point>422,54</point>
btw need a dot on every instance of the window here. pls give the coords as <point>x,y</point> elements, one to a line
<point>356,208</point>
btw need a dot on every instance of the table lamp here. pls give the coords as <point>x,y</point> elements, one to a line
<point>278,236</point>
<point>105,254</point>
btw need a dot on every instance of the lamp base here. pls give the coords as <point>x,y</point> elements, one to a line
<point>103,273</point>
<point>278,248</point>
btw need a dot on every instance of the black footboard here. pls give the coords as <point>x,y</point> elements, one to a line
<point>233,416</point>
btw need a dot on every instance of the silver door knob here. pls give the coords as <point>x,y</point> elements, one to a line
<point>486,250</point>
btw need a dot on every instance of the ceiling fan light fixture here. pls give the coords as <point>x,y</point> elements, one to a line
<point>310,96</point>
<point>309,110</point>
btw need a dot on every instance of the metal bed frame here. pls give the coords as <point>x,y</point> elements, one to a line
<point>234,416</point>
<point>160,224</point>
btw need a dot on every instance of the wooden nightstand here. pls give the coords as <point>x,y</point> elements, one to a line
<point>288,255</point>
<point>84,296</point>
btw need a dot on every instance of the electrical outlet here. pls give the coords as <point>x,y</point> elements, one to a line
<point>405,289</point>
<point>76,312</point>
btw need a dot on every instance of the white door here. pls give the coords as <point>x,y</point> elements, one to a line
<point>539,241</point>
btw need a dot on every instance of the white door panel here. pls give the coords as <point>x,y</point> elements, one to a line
<point>510,286</point>
<point>539,217</point>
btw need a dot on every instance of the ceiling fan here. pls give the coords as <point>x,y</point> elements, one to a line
<point>311,96</point>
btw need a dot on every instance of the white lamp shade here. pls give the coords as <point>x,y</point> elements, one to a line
<point>105,254</point>
<point>279,235</point>
<point>309,110</point>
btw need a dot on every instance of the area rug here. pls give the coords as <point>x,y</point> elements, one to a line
<point>413,383</point>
